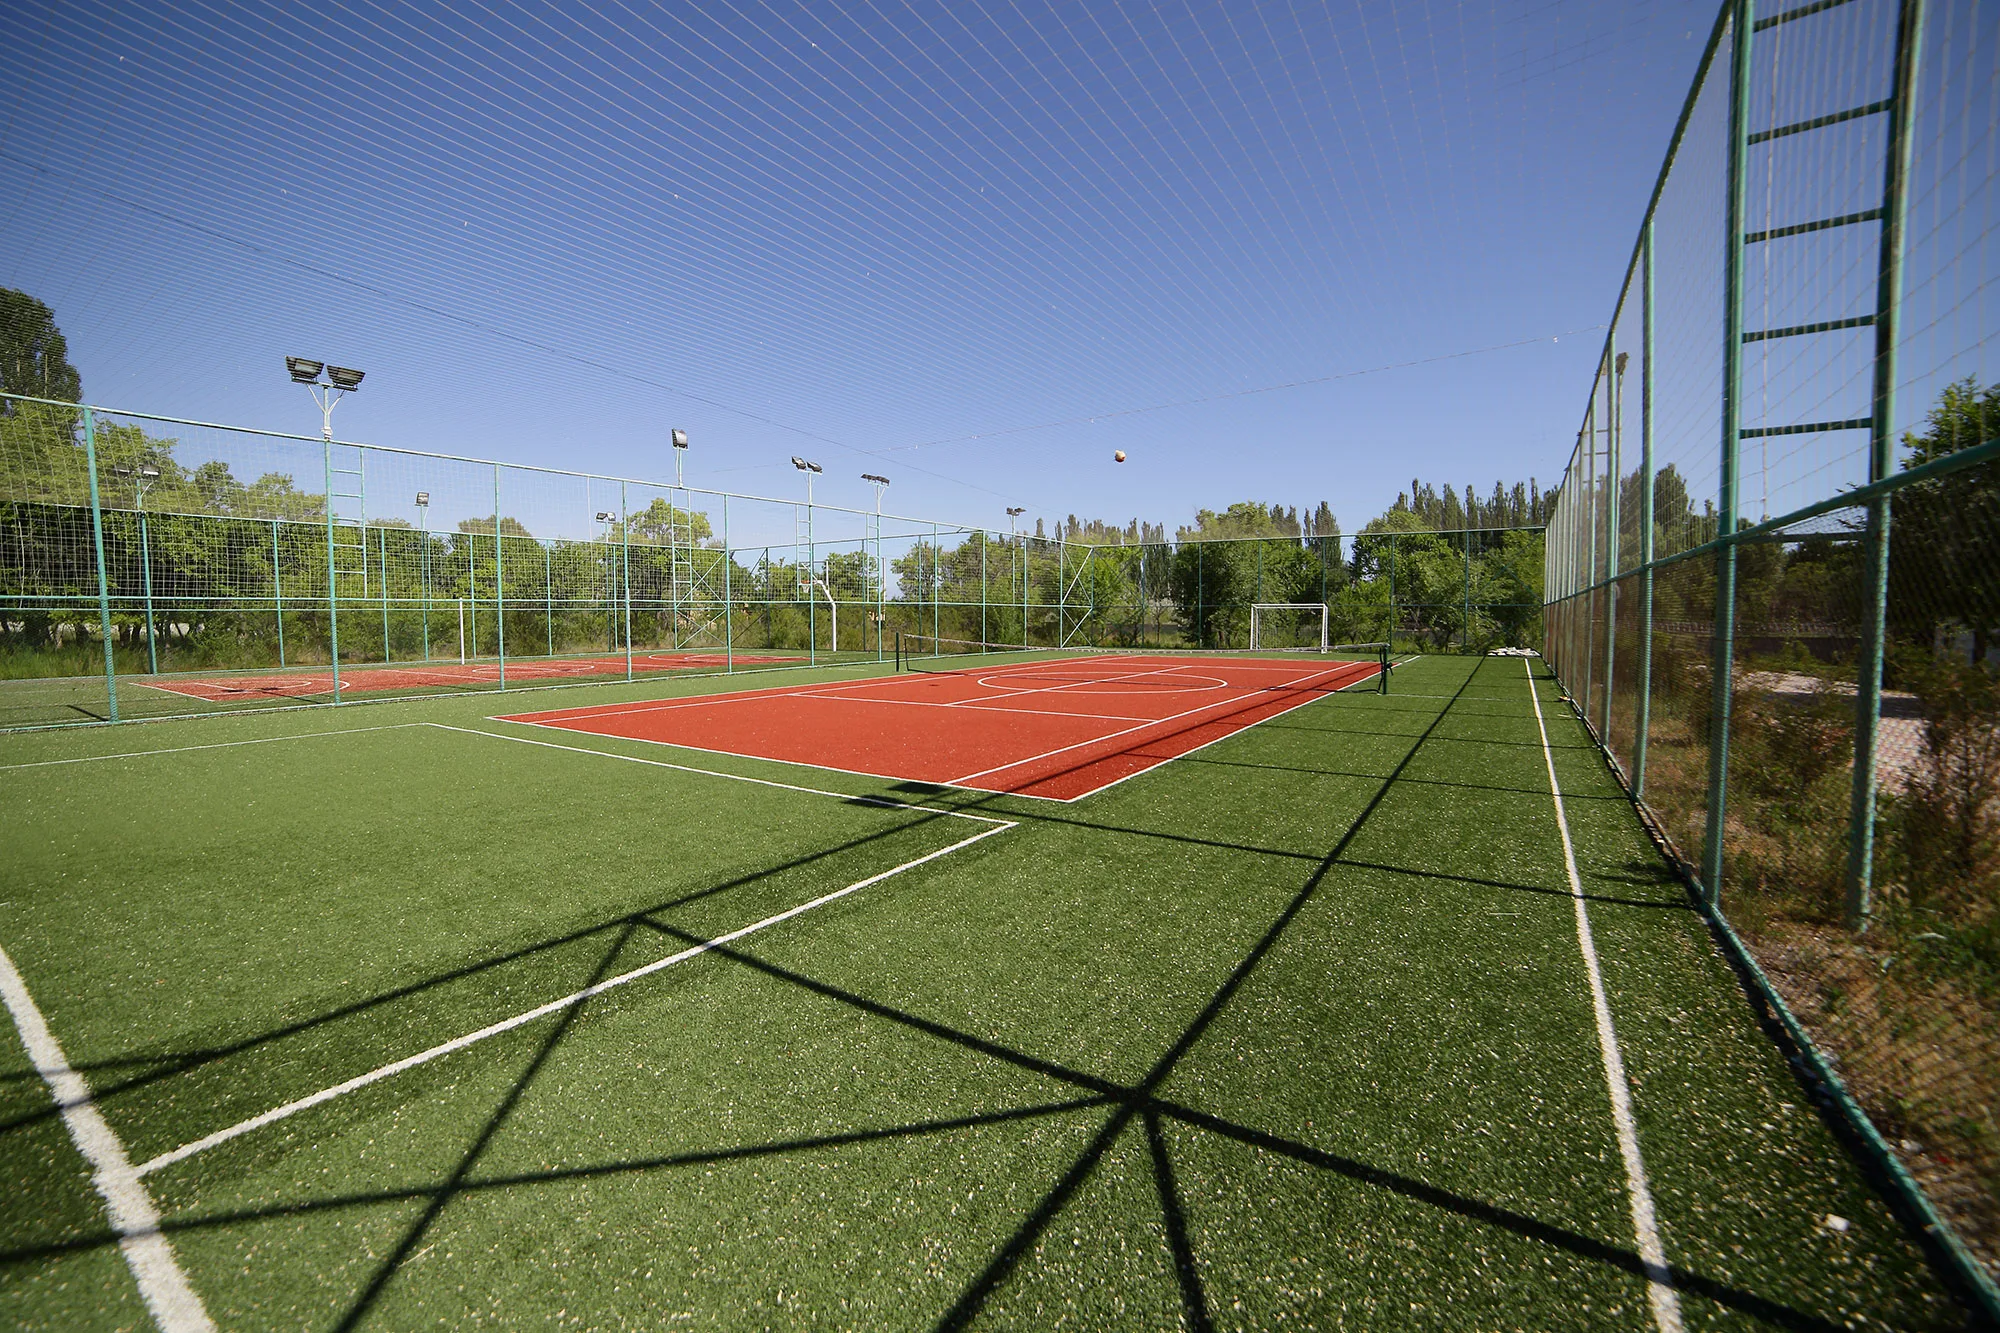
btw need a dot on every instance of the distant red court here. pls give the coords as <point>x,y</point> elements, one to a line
<point>441,675</point>
<point>1057,728</point>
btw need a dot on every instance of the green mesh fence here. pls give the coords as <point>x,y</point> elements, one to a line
<point>1773,578</point>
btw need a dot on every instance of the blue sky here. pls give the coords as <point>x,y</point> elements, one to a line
<point>977,250</point>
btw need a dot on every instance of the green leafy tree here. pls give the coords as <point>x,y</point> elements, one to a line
<point>1944,545</point>
<point>34,357</point>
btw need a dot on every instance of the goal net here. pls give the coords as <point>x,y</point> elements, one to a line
<point>1289,626</point>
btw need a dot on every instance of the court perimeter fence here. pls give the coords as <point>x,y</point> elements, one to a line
<point>1773,575</point>
<point>154,567</point>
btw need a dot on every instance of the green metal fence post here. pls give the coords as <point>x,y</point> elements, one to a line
<point>1614,423</point>
<point>97,541</point>
<point>471,598</point>
<point>983,636</point>
<point>1465,632</point>
<point>937,590</point>
<point>1881,462</point>
<point>1723,679</point>
<point>499,584</point>
<point>332,592</point>
<point>1643,722</point>
<point>278,589</point>
<point>1391,635</point>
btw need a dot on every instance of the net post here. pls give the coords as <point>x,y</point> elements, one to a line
<point>499,583</point>
<point>1643,721</point>
<point>1725,574</point>
<point>1382,668</point>
<point>97,542</point>
<point>332,590</point>
<point>1881,461</point>
<point>278,590</point>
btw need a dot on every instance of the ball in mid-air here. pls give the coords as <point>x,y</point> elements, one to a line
<point>1118,457</point>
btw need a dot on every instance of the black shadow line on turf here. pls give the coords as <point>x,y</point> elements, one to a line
<point>443,1197</point>
<point>165,1065</point>
<point>1003,1263</point>
<point>1194,1302</point>
<point>598,1170</point>
<point>1674,905</point>
<point>1478,1210</point>
<point>1204,760</point>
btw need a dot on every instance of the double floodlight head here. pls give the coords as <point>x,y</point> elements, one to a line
<point>604,517</point>
<point>145,471</point>
<point>680,438</point>
<point>803,466</point>
<point>871,477</point>
<point>1016,513</point>
<point>306,371</point>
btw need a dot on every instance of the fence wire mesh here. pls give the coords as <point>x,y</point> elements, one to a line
<point>246,569</point>
<point>1773,577</point>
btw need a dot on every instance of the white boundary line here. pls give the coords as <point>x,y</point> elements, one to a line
<point>215,745</point>
<point>1652,1253</point>
<point>174,1305</point>
<point>324,1095</point>
<point>1250,693</point>
<point>883,801</point>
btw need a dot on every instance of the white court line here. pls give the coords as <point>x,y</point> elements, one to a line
<point>1071,800</point>
<point>174,1304</point>
<point>1171,717</point>
<point>215,745</point>
<point>711,772</point>
<point>1652,1253</point>
<point>324,1095</point>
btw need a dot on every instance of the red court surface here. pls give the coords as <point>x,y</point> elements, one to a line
<point>1059,729</point>
<point>441,675</point>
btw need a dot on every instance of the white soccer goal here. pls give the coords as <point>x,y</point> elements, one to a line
<point>1289,620</point>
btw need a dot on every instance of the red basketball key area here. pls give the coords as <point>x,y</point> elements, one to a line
<point>1056,728</point>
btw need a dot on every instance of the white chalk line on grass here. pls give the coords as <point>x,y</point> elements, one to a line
<point>213,745</point>
<point>1652,1253</point>
<point>325,1095</point>
<point>174,1304</point>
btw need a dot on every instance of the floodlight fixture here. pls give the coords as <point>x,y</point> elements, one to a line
<point>800,463</point>
<point>304,371</point>
<point>120,470</point>
<point>871,477</point>
<point>423,499</point>
<point>605,518</point>
<point>1013,512</point>
<point>346,379</point>
<point>149,472</point>
<point>680,438</point>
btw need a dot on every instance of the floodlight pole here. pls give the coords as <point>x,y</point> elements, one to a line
<point>811,470</point>
<point>424,564</point>
<point>881,565</point>
<point>1012,514</point>
<point>679,439</point>
<point>145,475</point>
<point>339,383</point>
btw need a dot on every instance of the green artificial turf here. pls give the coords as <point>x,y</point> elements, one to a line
<point>1293,1031</point>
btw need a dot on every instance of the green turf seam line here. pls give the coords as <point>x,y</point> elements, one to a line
<point>174,1305</point>
<point>1645,1221</point>
<point>556,1006</point>
<point>1948,1256</point>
